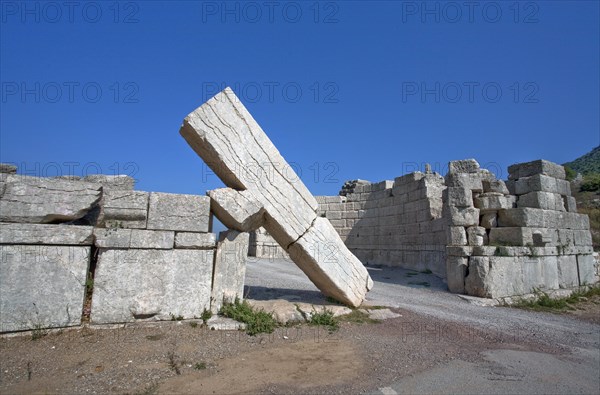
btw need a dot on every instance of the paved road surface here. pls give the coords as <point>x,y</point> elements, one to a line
<point>577,370</point>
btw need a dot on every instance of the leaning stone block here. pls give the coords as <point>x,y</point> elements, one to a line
<point>12,233</point>
<point>169,211</point>
<point>477,236</point>
<point>151,284</point>
<point>229,269</point>
<point>44,200</point>
<point>125,209</point>
<point>41,286</point>
<point>234,146</point>
<point>493,201</point>
<point>535,167</point>
<point>133,238</point>
<point>118,182</point>
<point>586,269</point>
<point>198,241</point>
<point>567,271</point>
<point>494,185</point>
<point>458,197</point>
<point>543,200</point>
<point>330,265</point>
<point>542,183</point>
<point>456,269</point>
<point>237,210</point>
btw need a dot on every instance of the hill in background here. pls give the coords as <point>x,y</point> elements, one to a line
<point>586,164</point>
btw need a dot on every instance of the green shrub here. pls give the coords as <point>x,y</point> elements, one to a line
<point>256,321</point>
<point>571,174</point>
<point>590,183</point>
<point>325,318</point>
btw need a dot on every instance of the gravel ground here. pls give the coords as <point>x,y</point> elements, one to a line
<point>440,344</point>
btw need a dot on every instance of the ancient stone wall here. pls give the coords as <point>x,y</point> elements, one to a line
<point>94,249</point>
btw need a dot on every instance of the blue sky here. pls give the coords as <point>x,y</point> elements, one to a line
<point>345,90</point>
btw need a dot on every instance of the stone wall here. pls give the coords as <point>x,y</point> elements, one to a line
<point>94,249</point>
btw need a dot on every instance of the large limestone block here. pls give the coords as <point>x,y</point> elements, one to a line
<point>125,209</point>
<point>14,233</point>
<point>477,282</point>
<point>543,200</point>
<point>567,271</point>
<point>237,209</point>
<point>541,183</point>
<point>229,268</point>
<point>199,241</point>
<point>495,186</point>
<point>458,197</point>
<point>457,236</point>
<point>234,146</point>
<point>45,200</point>
<point>470,181</point>
<point>169,211</point>
<point>477,236</point>
<point>495,277</point>
<point>493,201</point>
<point>41,286</point>
<point>586,269</point>
<point>540,166</point>
<point>463,216</point>
<point>324,258</point>
<point>513,236</point>
<point>539,273</point>
<point>456,269</point>
<point>463,166</point>
<point>151,284</point>
<point>133,238</point>
<point>538,218</point>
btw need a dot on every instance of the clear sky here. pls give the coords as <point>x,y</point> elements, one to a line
<point>344,89</point>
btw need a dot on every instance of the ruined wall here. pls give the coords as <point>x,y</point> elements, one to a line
<point>518,237</point>
<point>94,249</point>
<point>396,223</point>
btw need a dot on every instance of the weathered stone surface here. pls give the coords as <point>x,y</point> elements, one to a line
<point>477,236</point>
<point>493,201</point>
<point>514,236</point>
<point>464,180</point>
<point>8,168</point>
<point>541,183</point>
<point>457,236</point>
<point>234,146</point>
<point>133,238</point>
<point>117,182</point>
<point>532,168</point>
<point>570,204</point>
<point>45,200</point>
<point>324,258</point>
<point>495,186</point>
<point>543,200</point>
<point>169,211</point>
<point>199,241</point>
<point>41,286</point>
<point>458,197</point>
<point>382,314</point>
<point>151,284</point>
<point>495,277</point>
<point>14,233</point>
<point>463,166</point>
<point>586,269</point>
<point>229,268</point>
<point>476,283</point>
<point>489,220</point>
<point>237,210</point>
<point>538,218</point>
<point>464,216</point>
<point>125,209</point>
<point>456,269</point>
<point>567,271</point>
